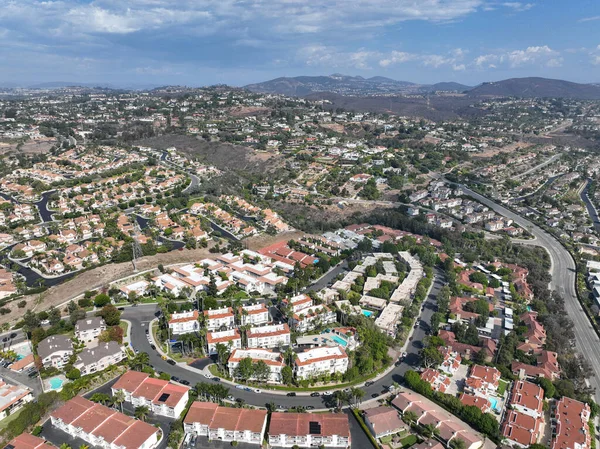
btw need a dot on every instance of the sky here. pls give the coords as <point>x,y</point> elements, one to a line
<point>237,42</point>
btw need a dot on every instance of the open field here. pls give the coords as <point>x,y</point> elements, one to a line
<point>29,147</point>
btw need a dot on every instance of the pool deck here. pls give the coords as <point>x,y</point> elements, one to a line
<point>48,386</point>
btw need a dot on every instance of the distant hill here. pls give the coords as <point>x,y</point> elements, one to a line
<point>536,87</point>
<point>347,85</point>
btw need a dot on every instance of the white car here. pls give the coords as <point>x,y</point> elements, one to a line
<point>328,393</point>
<point>256,390</point>
<point>208,376</point>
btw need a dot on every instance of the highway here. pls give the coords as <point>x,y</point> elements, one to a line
<point>563,281</point>
<point>142,315</point>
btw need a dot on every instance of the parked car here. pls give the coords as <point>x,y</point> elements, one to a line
<point>315,394</point>
<point>310,407</point>
<point>171,362</point>
<point>185,382</point>
<point>369,383</point>
<point>207,375</point>
<point>291,394</point>
<point>328,393</point>
<point>216,379</point>
<point>240,387</point>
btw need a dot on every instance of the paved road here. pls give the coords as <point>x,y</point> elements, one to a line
<point>563,281</point>
<point>537,167</point>
<point>141,316</point>
<point>593,213</point>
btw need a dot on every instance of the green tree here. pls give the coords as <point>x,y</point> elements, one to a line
<point>101,300</point>
<point>245,369</point>
<point>431,356</point>
<point>111,315</point>
<point>287,375</point>
<point>142,412</point>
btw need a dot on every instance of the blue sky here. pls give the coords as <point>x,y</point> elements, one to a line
<point>200,42</point>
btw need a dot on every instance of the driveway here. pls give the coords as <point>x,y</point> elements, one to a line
<point>457,381</point>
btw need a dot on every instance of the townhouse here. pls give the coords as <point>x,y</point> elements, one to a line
<point>271,336</point>
<point>527,398</point>
<point>88,329</point>
<point>306,315</point>
<point>254,315</point>
<point>483,380</point>
<point>184,322</point>
<point>160,396</point>
<point>219,318</point>
<point>12,398</point>
<point>103,427</point>
<point>55,351</point>
<point>451,361</point>
<point>230,338</point>
<point>274,361</point>
<point>523,420</point>
<point>210,420</point>
<point>319,361</point>
<point>28,441</point>
<point>570,424</point>
<point>438,381</point>
<point>100,357</point>
<point>309,430</point>
<point>383,421</point>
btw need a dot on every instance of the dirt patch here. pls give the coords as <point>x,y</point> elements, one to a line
<point>507,149</point>
<point>262,241</point>
<point>334,127</point>
<point>244,111</point>
<point>29,147</point>
<point>97,278</point>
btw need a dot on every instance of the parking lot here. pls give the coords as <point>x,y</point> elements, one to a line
<point>33,383</point>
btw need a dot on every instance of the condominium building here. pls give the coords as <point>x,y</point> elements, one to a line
<point>274,361</point>
<point>28,441</point>
<point>225,423</point>
<point>230,338</point>
<point>570,428</point>
<point>184,323</point>
<point>88,329</point>
<point>319,361</point>
<point>98,358</point>
<point>309,430</point>
<point>55,351</point>
<point>254,315</point>
<point>269,336</point>
<point>527,398</point>
<point>103,427</point>
<point>218,318</point>
<point>160,396</point>
<point>12,398</point>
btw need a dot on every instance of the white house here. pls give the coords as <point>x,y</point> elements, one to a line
<point>315,362</point>
<point>230,338</point>
<point>309,430</point>
<point>88,329</point>
<point>254,315</point>
<point>55,351</point>
<point>274,361</point>
<point>218,318</point>
<point>268,336</point>
<point>184,322</point>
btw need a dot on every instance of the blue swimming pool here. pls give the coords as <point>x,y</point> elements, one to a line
<point>339,340</point>
<point>494,402</point>
<point>367,313</point>
<point>56,383</point>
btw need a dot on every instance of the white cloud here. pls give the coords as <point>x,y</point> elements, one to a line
<point>518,6</point>
<point>589,19</point>
<point>530,55</point>
<point>397,57</point>
<point>459,67</point>
<point>332,57</point>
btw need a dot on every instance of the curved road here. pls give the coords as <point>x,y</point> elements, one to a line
<point>141,316</point>
<point>563,281</point>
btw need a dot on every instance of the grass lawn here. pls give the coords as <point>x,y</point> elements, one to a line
<point>5,422</point>
<point>386,440</point>
<point>408,441</point>
<point>502,384</point>
<point>125,326</point>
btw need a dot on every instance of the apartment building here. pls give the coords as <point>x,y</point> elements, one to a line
<point>319,361</point>
<point>55,351</point>
<point>184,322</point>
<point>309,430</point>
<point>160,396</point>
<point>230,338</point>
<point>12,398</point>
<point>218,318</point>
<point>88,329</point>
<point>483,380</point>
<point>28,441</point>
<point>527,398</point>
<point>254,315</point>
<point>570,429</point>
<point>103,427</point>
<point>91,360</point>
<point>274,361</point>
<point>225,423</point>
<point>268,336</point>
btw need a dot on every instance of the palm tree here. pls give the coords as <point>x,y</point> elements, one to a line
<point>457,443</point>
<point>65,446</point>
<point>84,446</point>
<point>119,398</point>
<point>142,412</point>
<point>357,394</point>
<point>409,417</point>
<point>429,430</point>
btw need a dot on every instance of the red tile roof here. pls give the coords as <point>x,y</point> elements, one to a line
<point>297,424</point>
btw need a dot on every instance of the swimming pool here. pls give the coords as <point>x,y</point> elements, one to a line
<point>367,313</point>
<point>339,340</point>
<point>494,402</point>
<point>56,383</point>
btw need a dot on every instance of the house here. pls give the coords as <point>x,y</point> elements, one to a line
<point>219,318</point>
<point>88,329</point>
<point>319,361</point>
<point>570,428</point>
<point>230,338</point>
<point>98,358</point>
<point>483,380</point>
<point>140,288</point>
<point>103,427</point>
<point>254,315</point>
<point>160,396</point>
<point>225,423</point>
<point>55,351</point>
<point>268,336</point>
<point>480,402</point>
<point>546,366</point>
<point>383,421</point>
<point>527,398</point>
<point>520,429</point>
<point>274,361</point>
<point>184,322</point>
<point>535,337</point>
<point>12,398</point>
<point>28,441</point>
<point>437,380</point>
<point>451,361</point>
<point>309,430</point>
